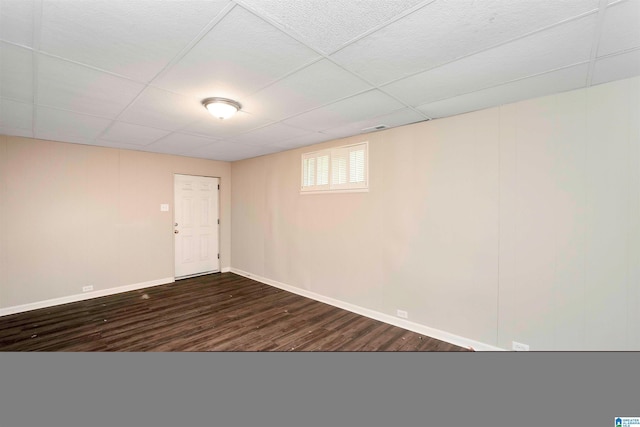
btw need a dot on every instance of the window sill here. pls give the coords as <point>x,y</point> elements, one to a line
<point>347,190</point>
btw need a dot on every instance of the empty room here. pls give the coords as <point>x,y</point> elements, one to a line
<point>254,175</point>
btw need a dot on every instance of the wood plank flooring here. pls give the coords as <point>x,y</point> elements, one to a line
<point>217,312</point>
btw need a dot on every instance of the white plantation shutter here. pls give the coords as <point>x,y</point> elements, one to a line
<point>338,169</point>
<point>356,166</point>
<point>323,170</point>
<point>315,171</point>
<point>308,174</point>
<point>349,167</point>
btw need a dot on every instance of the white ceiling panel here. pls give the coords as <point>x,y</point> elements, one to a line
<point>356,108</point>
<point>132,38</point>
<point>16,115</point>
<point>327,25</point>
<point>160,109</point>
<point>269,134</point>
<point>240,55</point>
<point>449,29</point>
<point>61,125</point>
<point>263,150</point>
<point>16,72</point>
<point>617,67</point>
<point>16,21</point>
<point>225,151</point>
<point>179,143</point>
<point>302,141</point>
<point>258,150</point>
<point>121,145</point>
<point>555,48</point>
<point>74,87</point>
<point>311,87</point>
<point>132,134</point>
<point>394,119</point>
<point>545,84</point>
<point>16,132</point>
<point>215,128</point>
<point>621,29</point>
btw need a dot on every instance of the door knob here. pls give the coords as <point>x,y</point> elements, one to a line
<point>175,231</point>
<point>175,225</point>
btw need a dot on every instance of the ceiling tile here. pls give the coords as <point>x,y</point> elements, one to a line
<point>178,143</point>
<point>545,84</point>
<point>449,29</point>
<point>68,126</point>
<point>264,150</point>
<point>27,133</point>
<point>327,25</point>
<point>551,49</point>
<point>160,109</point>
<point>269,134</point>
<point>16,21</point>
<point>223,151</point>
<point>617,67</point>
<point>16,72</point>
<point>16,115</point>
<point>311,87</point>
<point>234,63</point>
<point>215,128</point>
<point>303,141</point>
<point>394,119</point>
<point>132,134</point>
<point>70,86</point>
<point>133,38</point>
<point>356,108</point>
<point>621,28</point>
<point>121,145</point>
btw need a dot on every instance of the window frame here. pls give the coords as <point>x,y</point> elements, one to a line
<point>334,154</point>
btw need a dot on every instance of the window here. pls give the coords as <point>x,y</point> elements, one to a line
<point>336,169</point>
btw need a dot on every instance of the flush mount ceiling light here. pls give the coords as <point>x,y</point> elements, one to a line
<point>222,108</point>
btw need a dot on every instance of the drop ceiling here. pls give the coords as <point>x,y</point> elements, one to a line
<point>132,74</point>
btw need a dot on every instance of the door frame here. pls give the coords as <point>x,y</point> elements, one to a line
<point>173,221</point>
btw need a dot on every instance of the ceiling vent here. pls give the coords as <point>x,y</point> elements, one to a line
<point>374,128</point>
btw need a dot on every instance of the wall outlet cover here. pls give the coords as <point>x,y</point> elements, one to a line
<point>402,314</point>
<point>516,346</point>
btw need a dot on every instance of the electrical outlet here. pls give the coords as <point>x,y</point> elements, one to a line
<point>87,288</point>
<point>403,314</point>
<point>516,346</point>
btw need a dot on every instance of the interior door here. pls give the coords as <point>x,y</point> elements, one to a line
<point>196,225</point>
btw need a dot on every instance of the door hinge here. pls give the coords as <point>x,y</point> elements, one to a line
<point>218,221</point>
<point>218,186</point>
<point>218,256</point>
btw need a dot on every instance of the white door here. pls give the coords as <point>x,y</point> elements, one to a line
<point>196,225</point>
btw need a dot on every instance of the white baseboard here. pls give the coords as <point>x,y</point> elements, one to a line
<point>81,297</point>
<point>225,270</point>
<point>376,315</point>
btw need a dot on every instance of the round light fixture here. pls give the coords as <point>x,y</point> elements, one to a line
<point>222,108</point>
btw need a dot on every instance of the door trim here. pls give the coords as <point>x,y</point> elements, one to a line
<point>173,221</point>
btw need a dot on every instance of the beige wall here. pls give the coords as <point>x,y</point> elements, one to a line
<point>75,215</point>
<point>3,228</point>
<point>518,223</point>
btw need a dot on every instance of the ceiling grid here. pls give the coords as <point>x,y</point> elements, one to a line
<point>133,74</point>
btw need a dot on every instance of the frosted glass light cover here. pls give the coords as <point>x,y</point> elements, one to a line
<point>221,108</point>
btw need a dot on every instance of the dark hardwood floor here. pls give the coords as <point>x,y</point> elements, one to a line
<point>217,312</point>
